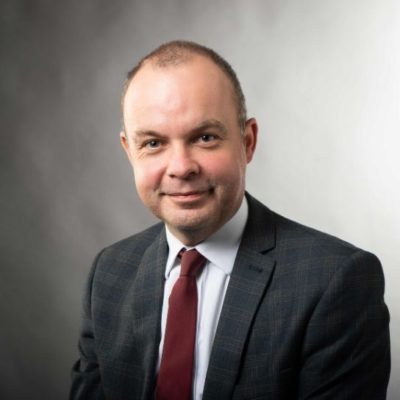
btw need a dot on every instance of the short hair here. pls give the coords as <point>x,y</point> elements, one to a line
<point>181,51</point>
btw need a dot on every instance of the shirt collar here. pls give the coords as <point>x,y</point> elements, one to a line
<point>220,248</point>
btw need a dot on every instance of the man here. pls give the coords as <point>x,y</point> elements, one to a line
<point>283,311</point>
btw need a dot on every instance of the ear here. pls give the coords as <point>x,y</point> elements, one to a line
<point>250,138</point>
<point>125,144</point>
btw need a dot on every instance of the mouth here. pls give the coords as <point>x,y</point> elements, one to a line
<point>189,196</point>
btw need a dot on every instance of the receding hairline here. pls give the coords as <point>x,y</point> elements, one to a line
<point>175,53</point>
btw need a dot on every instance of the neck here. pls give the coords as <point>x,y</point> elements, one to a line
<point>190,238</point>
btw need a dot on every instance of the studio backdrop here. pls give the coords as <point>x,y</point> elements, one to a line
<point>321,77</point>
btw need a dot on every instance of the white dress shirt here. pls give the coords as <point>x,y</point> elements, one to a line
<point>220,250</point>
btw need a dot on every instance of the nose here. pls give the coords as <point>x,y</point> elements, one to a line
<point>182,164</point>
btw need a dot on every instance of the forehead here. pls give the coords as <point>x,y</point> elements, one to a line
<point>196,83</point>
<point>193,65</point>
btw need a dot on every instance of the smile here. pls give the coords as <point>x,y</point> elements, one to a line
<point>189,196</point>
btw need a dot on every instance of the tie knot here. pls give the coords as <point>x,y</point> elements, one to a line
<point>192,262</point>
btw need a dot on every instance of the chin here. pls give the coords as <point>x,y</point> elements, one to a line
<point>191,223</point>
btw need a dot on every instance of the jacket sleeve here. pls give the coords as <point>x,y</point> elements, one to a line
<point>86,378</point>
<point>346,353</point>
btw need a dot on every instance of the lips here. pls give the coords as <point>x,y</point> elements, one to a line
<point>184,194</point>
<point>188,195</point>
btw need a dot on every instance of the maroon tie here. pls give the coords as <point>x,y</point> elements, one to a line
<point>176,368</point>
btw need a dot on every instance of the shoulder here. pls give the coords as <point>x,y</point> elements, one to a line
<point>294,234</point>
<point>312,267</point>
<point>301,247</point>
<point>133,245</point>
<point>322,255</point>
<point>124,255</point>
<point>289,233</point>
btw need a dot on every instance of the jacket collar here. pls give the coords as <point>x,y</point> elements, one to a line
<point>251,274</point>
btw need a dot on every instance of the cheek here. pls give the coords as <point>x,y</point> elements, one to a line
<point>226,167</point>
<point>147,175</point>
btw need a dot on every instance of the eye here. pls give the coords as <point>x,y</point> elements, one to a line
<point>152,144</point>
<point>207,138</point>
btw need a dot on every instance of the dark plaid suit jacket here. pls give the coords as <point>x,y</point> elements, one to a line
<point>303,318</point>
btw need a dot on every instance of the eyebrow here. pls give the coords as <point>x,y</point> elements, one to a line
<point>146,133</point>
<point>210,124</point>
<point>203,126</point>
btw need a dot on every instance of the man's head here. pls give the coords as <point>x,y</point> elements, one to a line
<point>178,52</point>
<point>184,139</point>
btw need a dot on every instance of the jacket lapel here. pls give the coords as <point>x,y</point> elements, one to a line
<point>147,300</point>
<point>249,279</point>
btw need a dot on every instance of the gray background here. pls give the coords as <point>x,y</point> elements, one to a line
<point>322,77</point>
